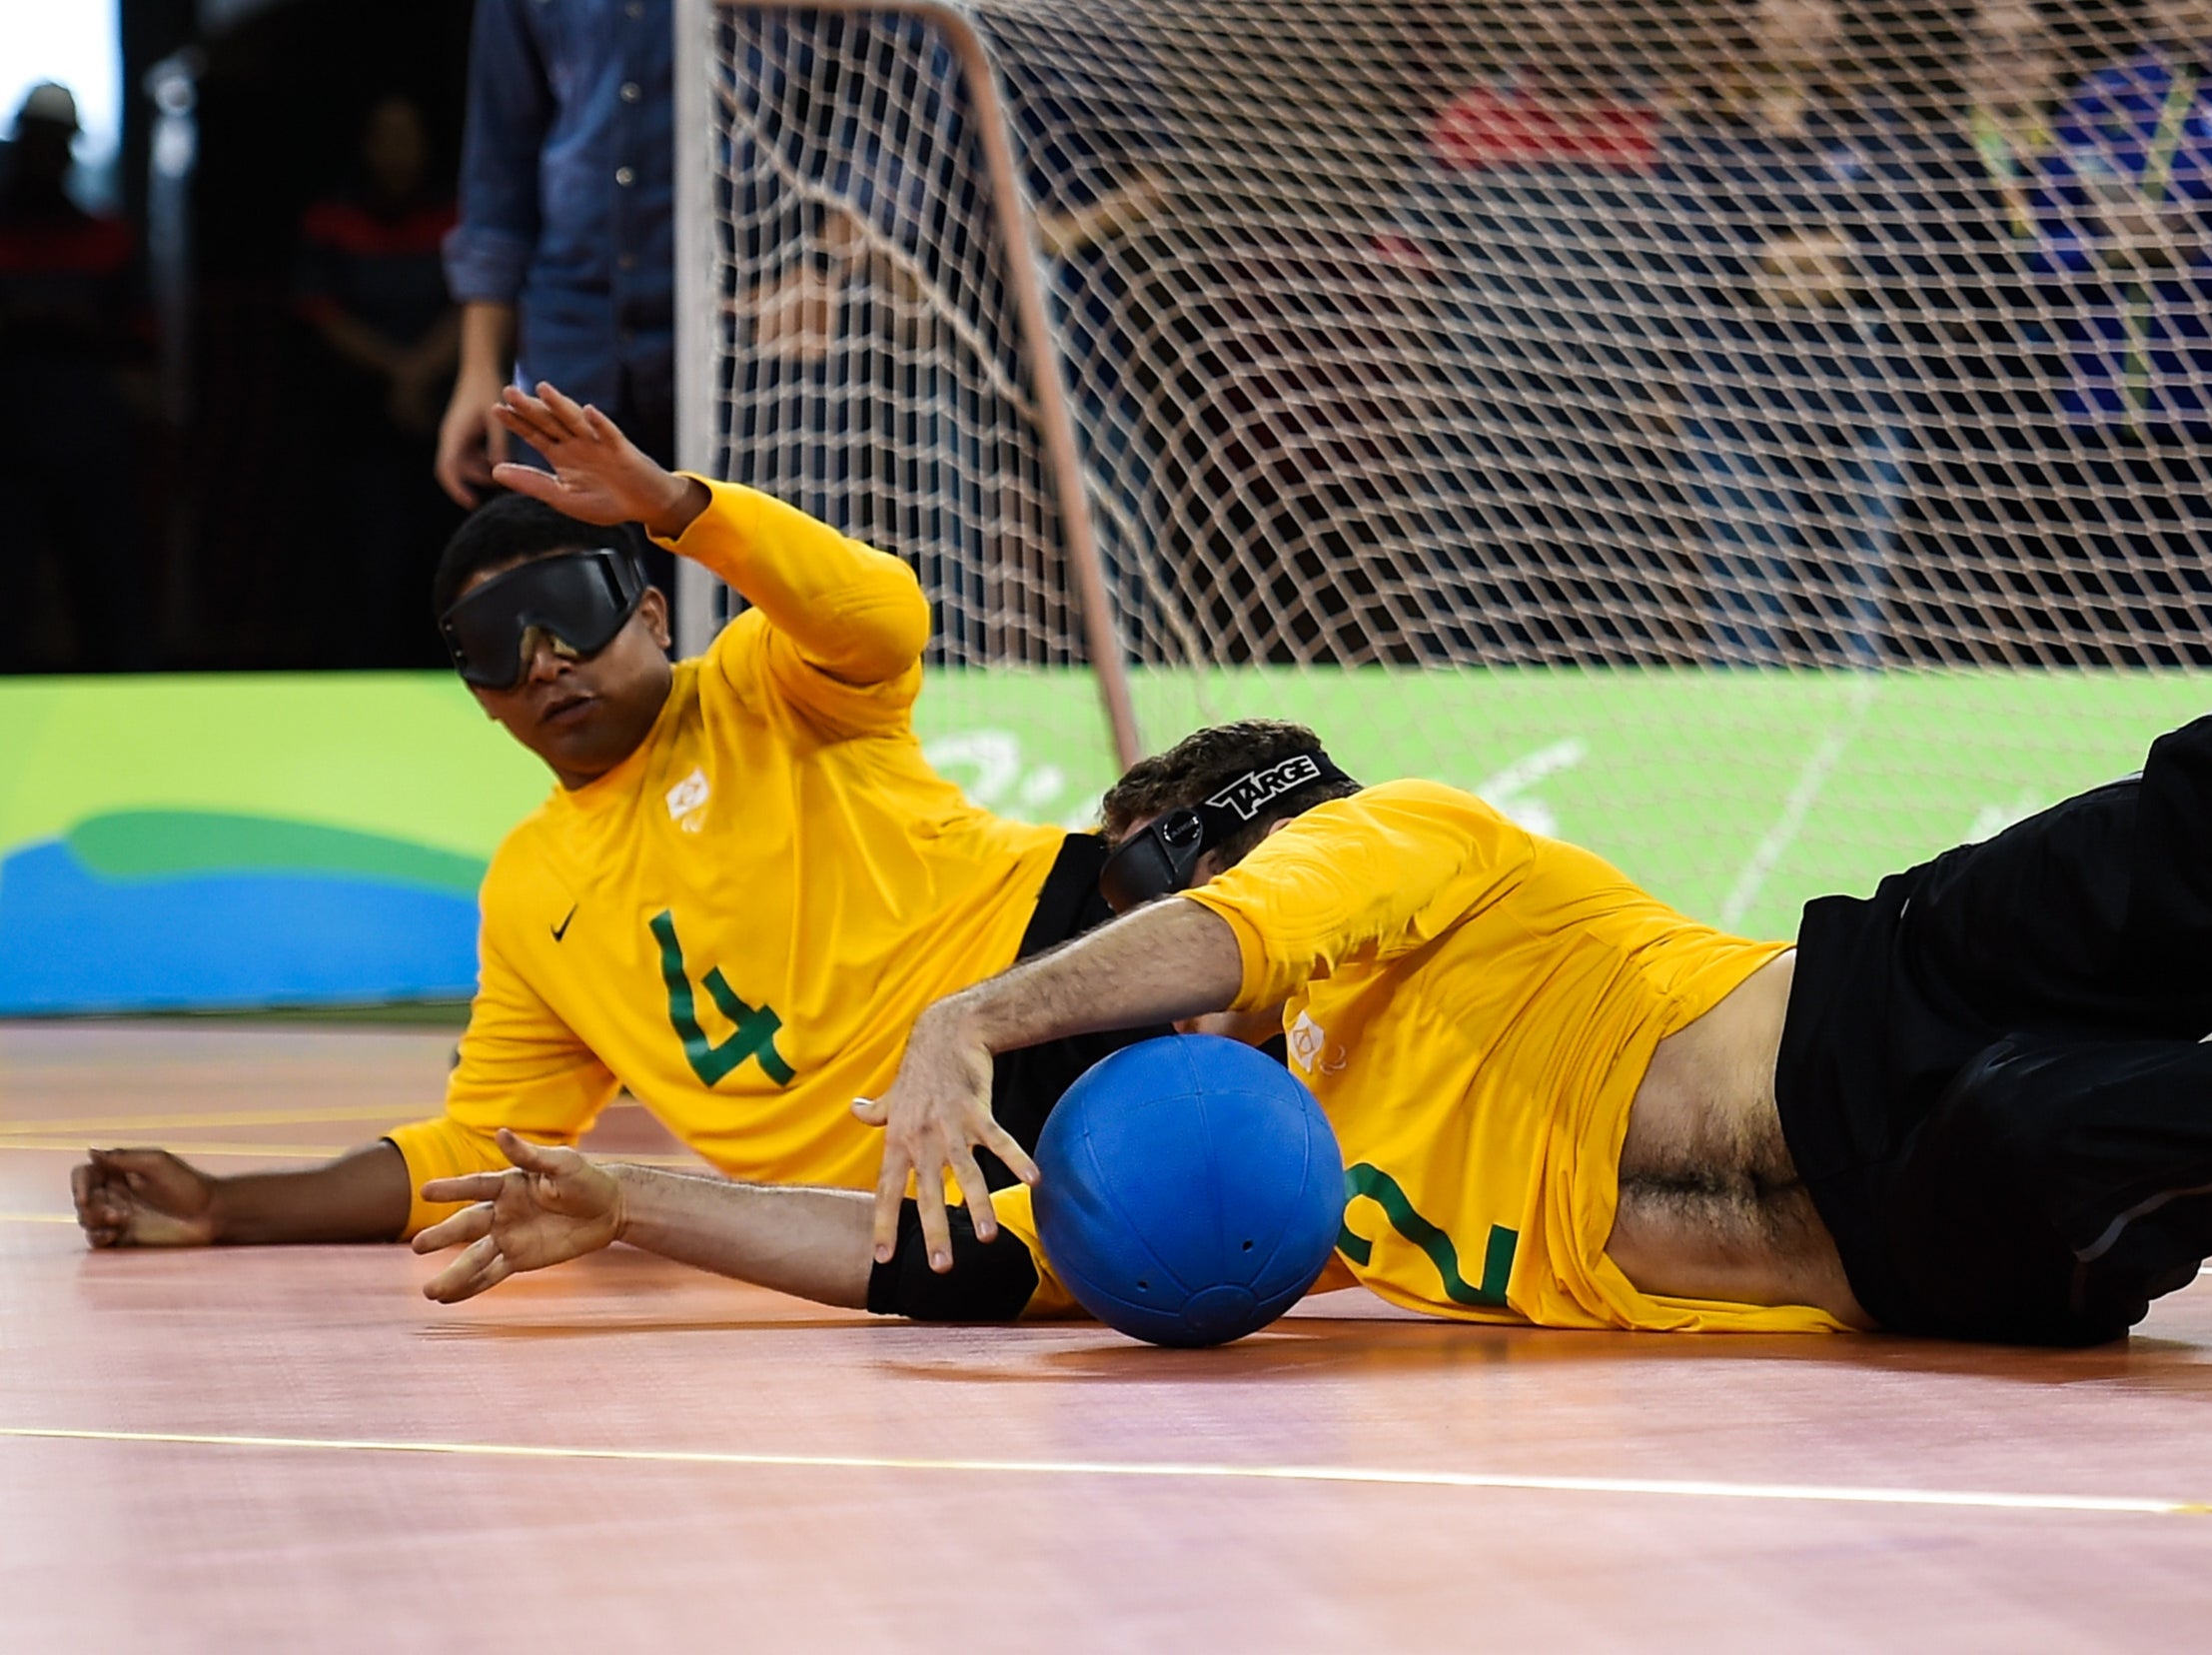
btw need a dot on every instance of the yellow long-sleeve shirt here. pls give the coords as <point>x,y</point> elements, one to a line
<point>1473,1006</point>
<point>740,922</point>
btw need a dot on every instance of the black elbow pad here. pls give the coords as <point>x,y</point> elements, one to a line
<point>989,1280</point>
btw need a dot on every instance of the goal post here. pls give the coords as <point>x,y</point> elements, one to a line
<point>1764,442</point>
<point>712,271</point>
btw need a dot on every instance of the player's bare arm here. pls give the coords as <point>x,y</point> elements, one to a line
<point>1169,961</point>
<point>152,1198</point>
<point>598,475</point>
<point>557,1205</point>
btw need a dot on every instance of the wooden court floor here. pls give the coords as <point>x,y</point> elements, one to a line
<point>292,1450</point>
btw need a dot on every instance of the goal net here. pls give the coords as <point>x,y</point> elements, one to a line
<point>1764,440</point>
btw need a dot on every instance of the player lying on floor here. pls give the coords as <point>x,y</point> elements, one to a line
<point>1974,1104</point>
<point>745,886</point>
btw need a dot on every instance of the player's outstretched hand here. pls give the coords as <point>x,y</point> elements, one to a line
<point>144,1198</point>
<point>555,1205</point>
<point>935,1116</point>
<point>598,475</point>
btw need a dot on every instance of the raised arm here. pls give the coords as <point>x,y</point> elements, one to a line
<point>848,610</point>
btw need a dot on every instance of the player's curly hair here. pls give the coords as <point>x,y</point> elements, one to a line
<point>511,528</point>
<point>1205,761</point>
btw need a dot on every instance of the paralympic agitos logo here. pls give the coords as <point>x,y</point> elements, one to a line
<point>1247,793</point>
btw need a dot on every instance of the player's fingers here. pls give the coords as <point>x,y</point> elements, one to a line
<point>470,1186</point>
<point>108,1213</point>
<point>871,1112</point>
<point>566,409</point>
<point>469,1224</point>
<point>81,1184</point>
<point>604,429</point>
<point>929,1198</point>
<point>890,1196</point>
<point>489,1277</point>
<point>970,1177</point>
<point>528,419</point>
<point>1000,1142</point>
<point>546,1159</point>
<point>528,480</point>
<point>448,1286</point>
<point>523,401</point>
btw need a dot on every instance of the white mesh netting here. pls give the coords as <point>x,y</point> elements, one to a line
<point>1495,386</point>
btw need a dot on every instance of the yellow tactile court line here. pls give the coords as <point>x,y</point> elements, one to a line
<point>37,1219</point>
<point>1808,1492</point>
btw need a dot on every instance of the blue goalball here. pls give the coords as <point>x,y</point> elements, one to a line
<point>1191,1191</point>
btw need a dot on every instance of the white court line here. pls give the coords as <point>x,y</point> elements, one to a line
<point>38,1217</point>
<point>1804,1492</point>
<point>1799,806</point>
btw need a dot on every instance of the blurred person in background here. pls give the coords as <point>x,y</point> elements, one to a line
<point>71,329</point>
<point>1979,578</point>
<point>1532,215</point>
<point>2125,236</point>
<point>373,289</point>
<point>1785,188</point>
<point>563,262</point>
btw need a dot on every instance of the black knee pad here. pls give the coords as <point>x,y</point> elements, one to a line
<point>989,1280</point>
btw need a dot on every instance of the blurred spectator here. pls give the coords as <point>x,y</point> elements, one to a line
<point>2012,80</point>
<point>1980,575</point>
<point>565,258</point>
<point>1782,202</point>
<point>71,324</point>
<point>2132,182</point>
<point>2124,225</point>
<point>1535,218</point>
<point>372,287</point>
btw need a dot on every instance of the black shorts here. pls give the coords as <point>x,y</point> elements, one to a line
<point>1991,1078</point>
<point>1025,1084</point>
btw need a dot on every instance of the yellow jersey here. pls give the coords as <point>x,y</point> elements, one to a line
<point>742,920</point>
<point>1474,1005</point>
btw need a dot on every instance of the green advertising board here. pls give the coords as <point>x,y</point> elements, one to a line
<point>317,839</point>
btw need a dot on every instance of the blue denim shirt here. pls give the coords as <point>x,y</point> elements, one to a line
<point>568,192</point>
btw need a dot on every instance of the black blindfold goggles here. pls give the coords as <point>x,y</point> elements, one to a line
<point>1159,859</point>
<point>582,599</point>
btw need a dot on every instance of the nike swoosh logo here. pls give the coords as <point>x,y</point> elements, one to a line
<point>561,929</point>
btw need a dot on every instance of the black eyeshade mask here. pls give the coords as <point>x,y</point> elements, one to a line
<point>581,597</point>
<point>1158,861</point>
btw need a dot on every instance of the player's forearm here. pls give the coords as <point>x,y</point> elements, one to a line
<point>857,613</point>
<point>361,1196</point>
<point>812,1243</point>
<point>1165,961</point>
